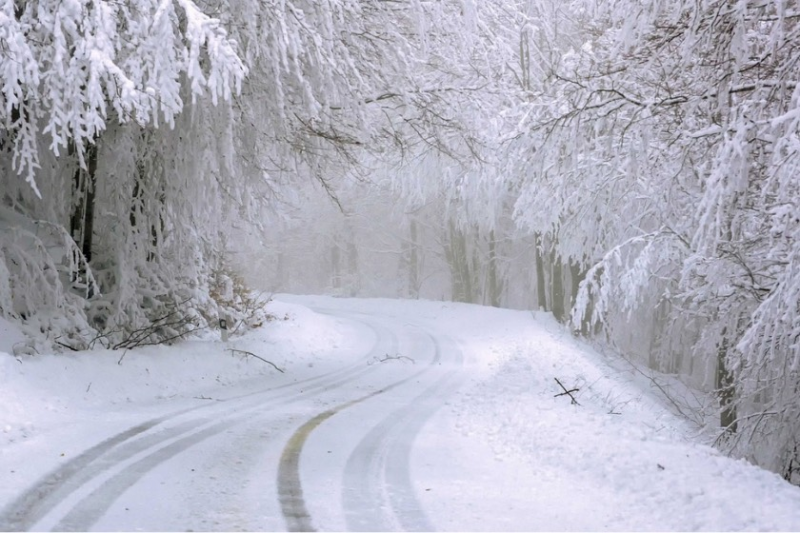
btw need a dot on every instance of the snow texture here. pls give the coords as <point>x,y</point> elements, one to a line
<point>505,453</point>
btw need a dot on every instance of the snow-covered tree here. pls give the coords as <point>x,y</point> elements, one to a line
<point>665,157</point>
<point>141,142</point>
<point>92,95</point>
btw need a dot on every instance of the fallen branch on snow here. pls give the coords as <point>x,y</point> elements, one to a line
<point>388,357</point>
<point>245,352</point>
<point>567,392</point>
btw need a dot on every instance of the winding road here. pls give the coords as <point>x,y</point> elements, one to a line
<point>326,451</point>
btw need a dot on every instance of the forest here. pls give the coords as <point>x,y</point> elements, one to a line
<point>632,167</point>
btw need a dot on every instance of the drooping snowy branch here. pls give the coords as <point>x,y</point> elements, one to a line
<point>68,64</point>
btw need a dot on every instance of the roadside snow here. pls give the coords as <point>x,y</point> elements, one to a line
<point>506,454</point>
<point>503,454</point>
<point>44,392</point>
<point>10,336</point>
<point>620,460</point>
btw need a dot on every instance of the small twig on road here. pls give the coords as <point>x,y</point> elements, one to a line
<point>206,398</point>
<point>388,357</point>
<point>567,392</point>
<point>245,352</point>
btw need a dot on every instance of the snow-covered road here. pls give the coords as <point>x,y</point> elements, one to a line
<point>390,416</point>
<point>298,448</point>
<point>359,450</point>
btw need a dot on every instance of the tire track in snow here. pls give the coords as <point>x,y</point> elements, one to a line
<point>290,491</point>
<point>92,507</point>
<point>23,512</point>
<point>379,466</point>
<point>42,498</point>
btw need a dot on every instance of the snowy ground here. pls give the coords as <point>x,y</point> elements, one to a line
<point>456,429</point>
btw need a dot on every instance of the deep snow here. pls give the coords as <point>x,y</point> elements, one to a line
<point>503,453</point>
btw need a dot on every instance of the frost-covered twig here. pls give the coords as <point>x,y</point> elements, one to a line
<point>252,305</point>
<point>142,336</point>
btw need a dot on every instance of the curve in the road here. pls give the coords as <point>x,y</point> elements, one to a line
<point>35,503</point>
<point>412,418</point>
<point>378,468</point>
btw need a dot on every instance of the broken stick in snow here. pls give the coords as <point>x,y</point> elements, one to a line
<point>245,352</point>
<point>388,357</point>
<point>567,392</point>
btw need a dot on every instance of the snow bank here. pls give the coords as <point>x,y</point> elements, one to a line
<point>52,391</point>
<point>10,336</point>
<point>622,459</point>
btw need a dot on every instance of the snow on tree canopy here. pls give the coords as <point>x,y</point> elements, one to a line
<point>70,66</point>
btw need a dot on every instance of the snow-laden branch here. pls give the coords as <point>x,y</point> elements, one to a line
<point>68,64</point>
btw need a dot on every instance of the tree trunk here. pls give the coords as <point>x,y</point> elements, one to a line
<point>725,388</point>
<point>83,187</point>
<point>136,201</point>
<point>336,269</point>
<point>457,257</point>
<point>413,261</point>
<point>88,213</point>
<point>541,286</point>
<point>353,274</point>
<point>81,222</point>
<point>493,283</point>
<point>557,286</point>
<point>577,275</point>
